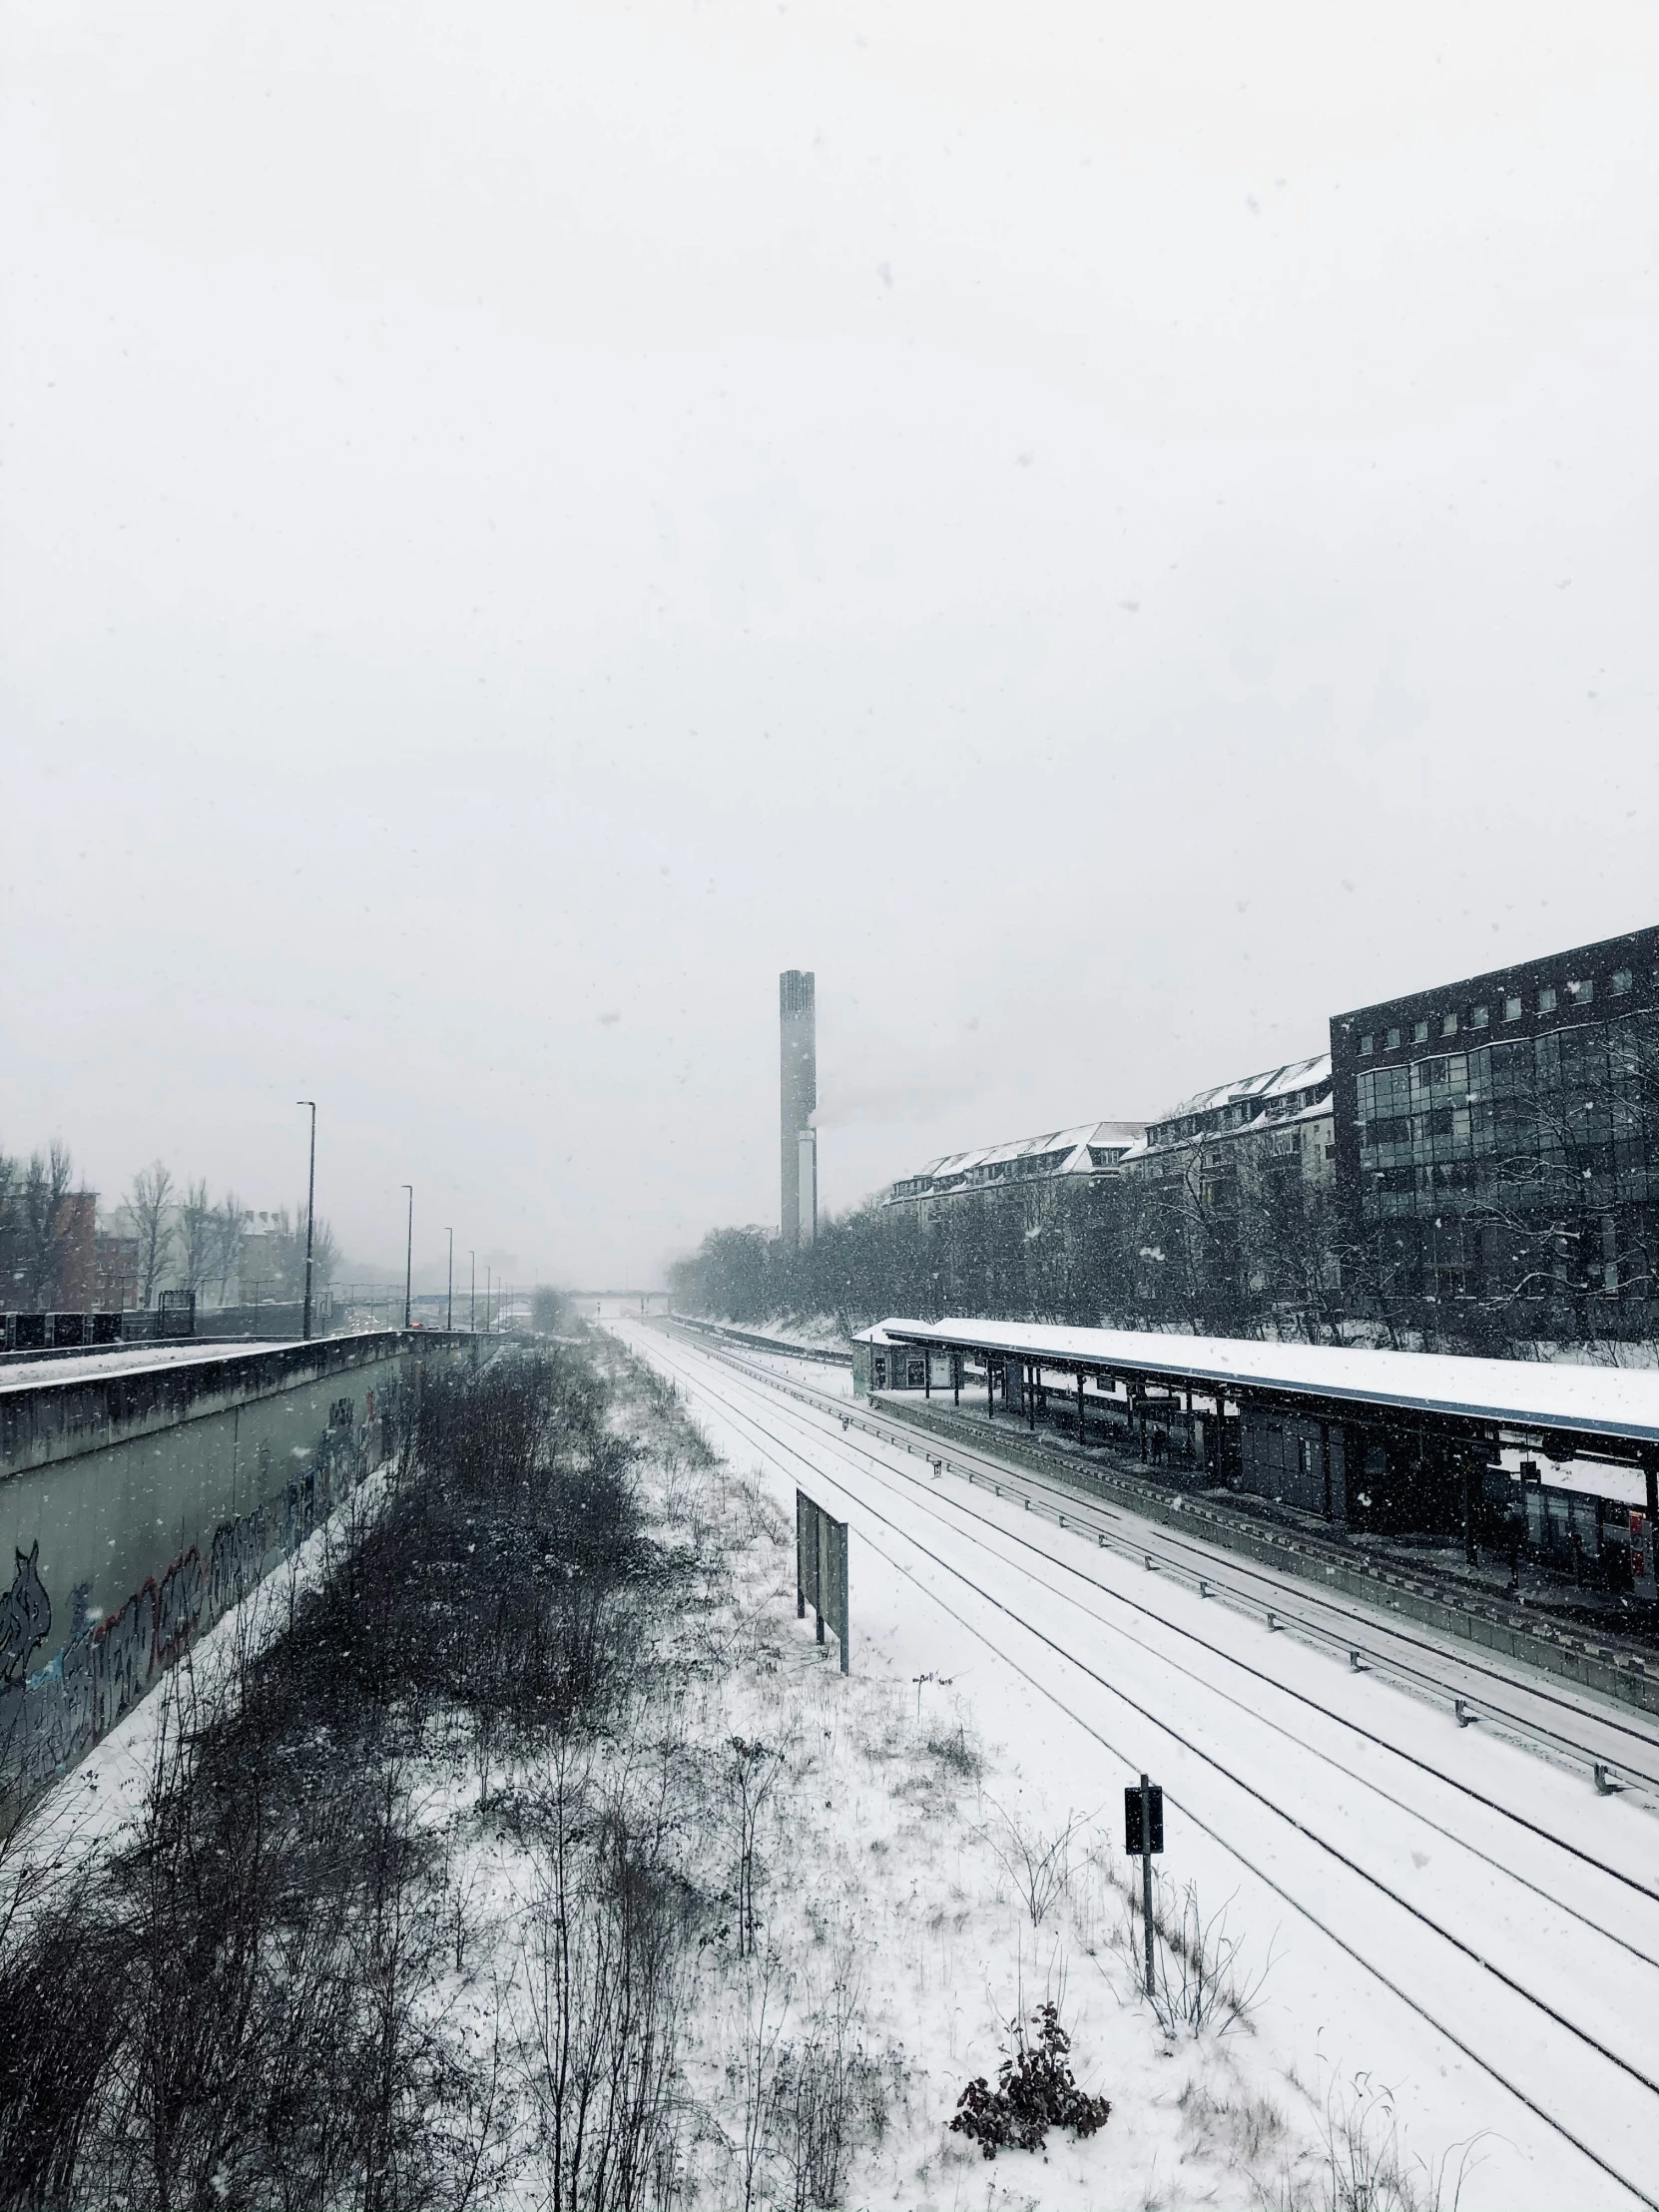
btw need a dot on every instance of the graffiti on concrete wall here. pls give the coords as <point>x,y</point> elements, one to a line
<point>48,1719</point>
<point>25,1616</point>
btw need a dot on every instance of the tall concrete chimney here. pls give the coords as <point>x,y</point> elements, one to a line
<point>798,1087</point>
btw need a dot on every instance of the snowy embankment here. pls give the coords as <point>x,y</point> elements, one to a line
<point>1420,1937</point>
<point>574,1856</point>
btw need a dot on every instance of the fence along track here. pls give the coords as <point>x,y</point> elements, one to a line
<point>1464,1949</point>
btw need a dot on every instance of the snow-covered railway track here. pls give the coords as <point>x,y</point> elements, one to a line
<point>1489,1935</point>
<point>1212,1684</point>
<point>1556,1719</point>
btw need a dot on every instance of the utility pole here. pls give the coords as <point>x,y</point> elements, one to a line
<point>310,1209</point>
<point>472,1294</point>
<point>486,1302</point>
<point>449,1301</point>
<point>408,1255</point>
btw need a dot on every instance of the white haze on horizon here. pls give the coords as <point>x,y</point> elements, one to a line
<point>1107,535</point>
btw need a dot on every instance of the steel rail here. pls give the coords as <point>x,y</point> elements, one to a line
<point>1456,1942</point>
<point>1290,1592</point>
<point>1304,1698</point>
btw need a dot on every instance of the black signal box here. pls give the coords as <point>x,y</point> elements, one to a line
<point>1135,1803</point>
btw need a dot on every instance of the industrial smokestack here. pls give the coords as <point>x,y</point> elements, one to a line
<point>807,1186</point>
<point>797,1085</point>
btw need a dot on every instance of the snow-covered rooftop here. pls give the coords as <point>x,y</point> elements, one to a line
<point>1271,1083</point>
<point>1056,1152</point>
<point>1601,1401</point>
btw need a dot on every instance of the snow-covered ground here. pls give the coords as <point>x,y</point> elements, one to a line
<point>1428,1956</point>
<point>1426,1930</point>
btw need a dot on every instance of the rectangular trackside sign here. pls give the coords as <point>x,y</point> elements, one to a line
<point>821,1569</point>
<point>1134,1827</point>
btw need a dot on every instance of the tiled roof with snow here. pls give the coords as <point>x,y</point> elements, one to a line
<point>1055,1152</point>
<point>1271,1083</point>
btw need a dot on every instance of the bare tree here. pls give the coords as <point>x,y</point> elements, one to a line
<point>229,1220</point>
<point>195,1235</point>
<point>148,1200</point>
<point>10,1175</point>
<point>43,1223</point>
<point>288,1253</point>
<point>1288,1239</point>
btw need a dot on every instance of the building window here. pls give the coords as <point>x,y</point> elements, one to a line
<point>1368,1045</point>
<point>1420,1032</point>
<point>1621,983</point>
<point>1546,1000</point>
<point>1480,1017</point>
<point>1581,994</point>
<point>1511,1009</point>
<point>1448,1026</point>
<point>1394,1039</point>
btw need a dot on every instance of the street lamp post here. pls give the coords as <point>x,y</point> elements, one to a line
<point>311,1210</point>
<point>408,1255</point>
<point>472,1294</point>
<point>450,1300</point>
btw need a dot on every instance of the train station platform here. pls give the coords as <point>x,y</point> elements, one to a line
<point>1556,1461</point>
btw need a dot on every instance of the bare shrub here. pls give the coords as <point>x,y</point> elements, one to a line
<point>828,2096</point>
<point>1245,2128</point>
<point>958,1752</point>
<point>1038,1864</point>
<point>767,1992</point>
<point>242,2002</point>
<point>1364,2166</point>
<point>752,1775</point>
<point>605,1964</point>
<point>64,1952</point>
<point>1202,1983</point>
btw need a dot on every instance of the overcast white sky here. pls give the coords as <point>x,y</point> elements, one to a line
<point>1108,532</point>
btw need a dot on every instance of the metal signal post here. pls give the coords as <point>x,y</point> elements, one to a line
<point>1143,1839</point>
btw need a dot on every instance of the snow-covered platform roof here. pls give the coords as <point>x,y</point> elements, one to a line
<point>1612,1403</point>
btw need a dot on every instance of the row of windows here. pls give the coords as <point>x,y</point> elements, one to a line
<point>1458,1187</point>
<point>1611,1063</point>
<point>1587,1145</point>
<point>1449,1024</point>
<point>1237,1114</point>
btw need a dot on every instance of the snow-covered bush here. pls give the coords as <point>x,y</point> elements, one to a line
<point>1036,2090</point>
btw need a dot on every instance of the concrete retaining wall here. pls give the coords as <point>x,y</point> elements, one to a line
<point>136,1505</point>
